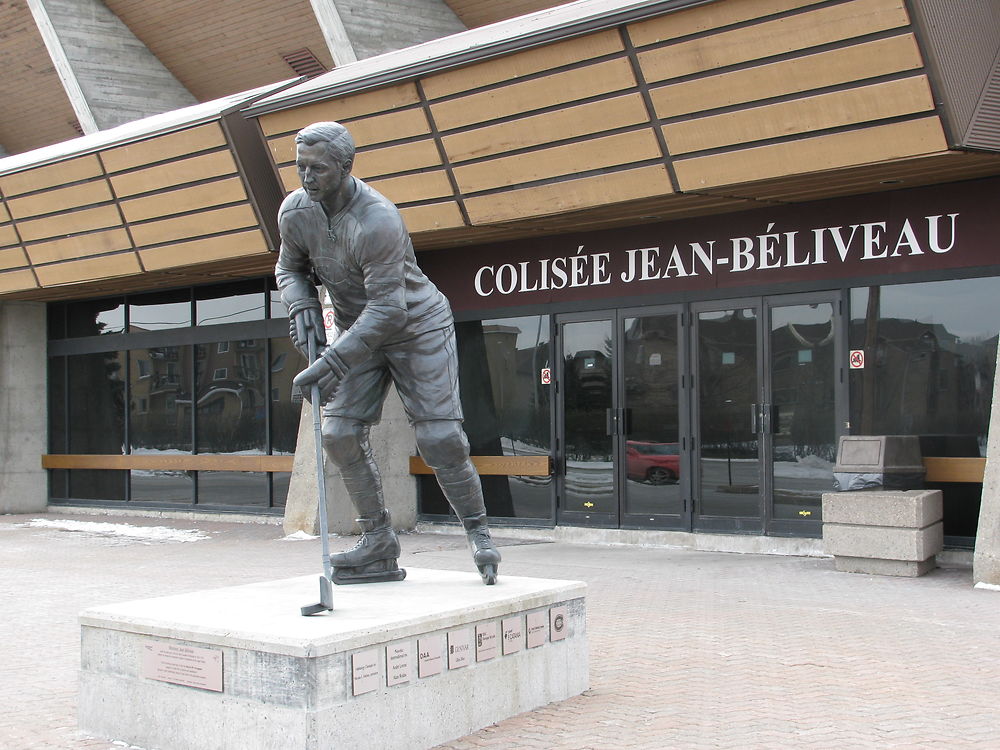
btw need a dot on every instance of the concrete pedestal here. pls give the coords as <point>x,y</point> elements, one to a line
<point>885,533</point>
<point>396,665</point>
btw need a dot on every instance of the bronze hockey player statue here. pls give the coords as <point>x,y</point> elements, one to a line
<point>396,327</point>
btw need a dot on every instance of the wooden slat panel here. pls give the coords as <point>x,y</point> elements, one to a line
<point>60,225</point>
<point>569,195</point>
<point>511,466</point>
<point>822,26</point>
<point>204,250</point>
<point>169,146</point>
<point>955,469</point>
<point>881,57</point>
<point>85,194</point>
<point>17,281</point>
<point>90,269</point>
<point>13,258</point>
<point>355,105</point>
<point>706,17</point>
<point>289,178</point>
<point>432,217</point>
<point>510,67</point>
<point>415,187</point>
<point>855,148</point>
<point>837,109</point>
<point>52,175</point>
<point>366,132</point>
<point>169,202</point>
<point>390,159</point>
<point>4,214</point>
<point>379,161</point>
<point>609,151</point>
<point>175,173</point>
<point>172,462</point>
<point>8,236</point>
<point>80,245</point>
<point>194,225</point>
<point>536,130</point>
<point>518,98</point>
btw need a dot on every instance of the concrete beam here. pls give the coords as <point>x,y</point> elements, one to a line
<point>357,29</point>
<point>109,75</point>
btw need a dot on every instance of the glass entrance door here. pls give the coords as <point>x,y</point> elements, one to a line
<point>728,461</point>
<point>620,420</point>
<point>768,412</point>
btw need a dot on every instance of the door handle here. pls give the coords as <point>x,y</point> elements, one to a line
<point>610,419</point>
<point>754,411</point>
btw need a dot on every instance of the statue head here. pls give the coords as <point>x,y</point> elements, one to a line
<point>324,155</point>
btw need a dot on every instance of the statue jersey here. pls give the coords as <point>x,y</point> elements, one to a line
<point>364,258</point>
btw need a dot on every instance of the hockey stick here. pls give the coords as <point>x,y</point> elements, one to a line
<point>325,580</point>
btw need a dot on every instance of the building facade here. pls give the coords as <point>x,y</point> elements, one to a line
<point>688,245</point>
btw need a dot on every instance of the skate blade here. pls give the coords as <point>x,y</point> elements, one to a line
<point>314,609</point>
<point>346,578</point>
<point>489,574</point>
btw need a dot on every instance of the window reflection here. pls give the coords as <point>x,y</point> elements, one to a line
<point>95,317</point>
<point>160,403</point>
<point>506,410</point>
<point>231,381</point>
<point>160,311</point>
<point>229,303</point>
<point>286,363</point>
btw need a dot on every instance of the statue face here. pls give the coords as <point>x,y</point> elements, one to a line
<point>319,171</point>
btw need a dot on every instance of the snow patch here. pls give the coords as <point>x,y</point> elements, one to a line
<point>124,533</point>
<point>987,586</point>
<point>298,536</point>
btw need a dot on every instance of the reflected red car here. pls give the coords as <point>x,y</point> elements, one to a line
<point>656,463</point>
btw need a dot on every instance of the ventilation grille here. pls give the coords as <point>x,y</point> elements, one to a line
<point>304,63</point>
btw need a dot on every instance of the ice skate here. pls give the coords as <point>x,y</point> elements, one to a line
<point>373,558</point>
<point>484,553</point>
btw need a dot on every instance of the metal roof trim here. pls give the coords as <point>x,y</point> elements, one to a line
<point>468,47</point>
<point>147,127</point>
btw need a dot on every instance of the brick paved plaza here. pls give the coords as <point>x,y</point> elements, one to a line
<point>688,649</point>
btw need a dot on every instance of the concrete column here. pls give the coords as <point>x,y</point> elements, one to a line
<point>23,407</point>
<point>356,29</point>
<point>392,441</point>
<point>109,75</point>
<point>986,560</point>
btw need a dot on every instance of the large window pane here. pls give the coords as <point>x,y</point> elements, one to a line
<point>160,420</point>
<point>930,355</point>
<point>286,405</point>
<point>96,402</point>
<point>506,410</point>
<point>159,311</point>
<point>930,358</point>
<point>235,488</point>
<point>95,317</point>
<point>229,303</point>
<point>231,379</point>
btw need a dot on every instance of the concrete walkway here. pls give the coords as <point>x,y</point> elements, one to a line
<point>688,649</point>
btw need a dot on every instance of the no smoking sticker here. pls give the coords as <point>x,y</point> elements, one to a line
<point>857,359</point>
<point>546,376</point>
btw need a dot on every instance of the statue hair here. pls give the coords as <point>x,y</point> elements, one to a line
<point>338,139</point>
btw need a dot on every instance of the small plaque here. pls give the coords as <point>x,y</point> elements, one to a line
<point>398,663</point>
<point>459,648</point>
<point>557,622</point>
<point>538,629</point>
<point>365,671</point>
<point>513,634</point>
<point>486,641</point>
<point>430,655</point>
<point>182,665</point>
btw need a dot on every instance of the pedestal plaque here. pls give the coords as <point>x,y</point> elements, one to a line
<point>513,634</point>
<point>557,623</point>
<point>398,664</point>
<point>459,648</point>
<point>430,656</point>
<point>365,672</point>
<point>347,678</point>
<point>486,641</point>
<point>537,627</point>
<point>183,665</point>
